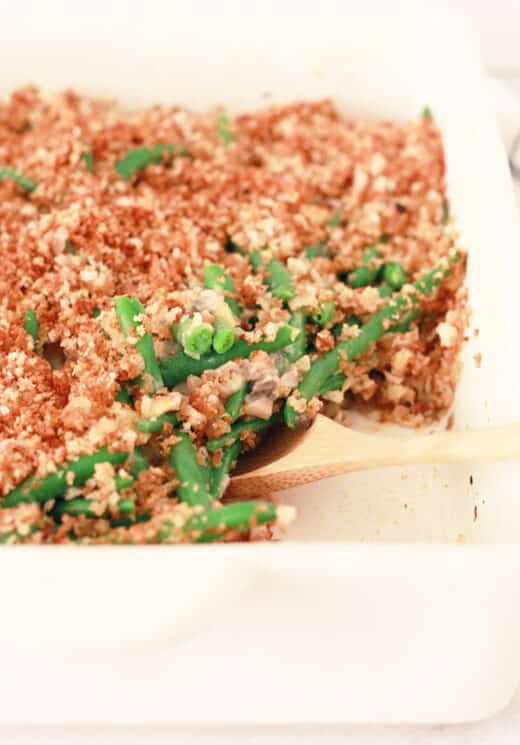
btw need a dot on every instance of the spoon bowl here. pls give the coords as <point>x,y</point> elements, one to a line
<point>287,458</point>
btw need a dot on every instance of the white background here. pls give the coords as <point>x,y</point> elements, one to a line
<point>498,24</point>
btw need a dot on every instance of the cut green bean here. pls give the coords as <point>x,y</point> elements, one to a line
<point>394,275</point>
<point>156,424</point>
<point>123,397</point>
<point>192,487</point>
<point>166,531</point>
<point>297,349</point>
<point>140,157</point>
<point>406,321</point>
<point>333,383</point>
<point>57,483</point>
<point>138,462</point>
<point>238,516</point>
<point>256,260</point>
<point>126,506</point>
<point>73,507</point>
<point>31,325</point>
<point>123,482</point>
<point>81,506</point>
<point>369,269</point>
<point>224,336</point>
<point>244,425</point>
<point>129,312</point>
<point>88,160</point>
<point>223,131</point>
<point>336,220</point>
<point>127,522</point>
<point>318,249</point>
<point>215,278</point>
<point>235,402</point>
<point>219,473</point>
<point>176,368</point>
<point>445,212</point>
<point>325,313</point>
<point>385,290</point>
<point>194,336</point>
<point>25,183</point>
<point>328,364</point>
<point>279,280</point>
<point>276,276</point>
<point>69,248</point>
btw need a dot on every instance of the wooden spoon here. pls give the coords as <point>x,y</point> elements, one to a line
<point>289,458</point>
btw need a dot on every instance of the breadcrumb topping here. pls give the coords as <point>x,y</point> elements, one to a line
<point>288,178</point>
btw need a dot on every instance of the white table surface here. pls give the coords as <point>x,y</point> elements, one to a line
<point>503,729</point>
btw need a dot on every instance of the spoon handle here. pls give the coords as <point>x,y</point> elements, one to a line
<point>488,444</point>
<point>328,449</point>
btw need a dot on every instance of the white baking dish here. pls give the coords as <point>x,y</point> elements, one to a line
<point>389,602</point>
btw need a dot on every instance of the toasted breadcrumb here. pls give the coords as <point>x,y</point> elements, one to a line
<point>84,236</point>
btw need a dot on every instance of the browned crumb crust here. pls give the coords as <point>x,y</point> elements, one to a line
<point>81,238</point>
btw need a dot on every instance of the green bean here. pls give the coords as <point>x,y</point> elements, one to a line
<point>140,157</point>
<point>218,473</point>
<point>194,336</point>
<point>328,364</point>
<point>224,337</point>
<point>445,212</point>
<point>238,516</point>
<point>123,397</point>
<point>88,160</point>
<point>25,183</point>
<point>215,278</point>
<point>369,269</point>
<point>223,131</point>
<point>31,325</point>
<point>123,482</point>
<point>297,349</point>
<point>317,249</point>
<point>244,425</point>
<point>81,506</point>
<point>235,402</point>
<point>126,506</point>
<point>127,311</point>
<point>406,321</point>
<point>176,368</point>
<point>325,313</point>
<point>57,483</point>
<point>146,349</point>
<point>394,275</point>
<point>279,280</point>
<point>335,220</point>
<point>156,424</point>
<point>256,260</point>
<point>192,487</point>
<point>138,462</point>
<point>276,276</point>
<point>333,383</point>
<point>385,290</point>
<point>127,522</point>
<point>69,248</point>
<point>73,507</point>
